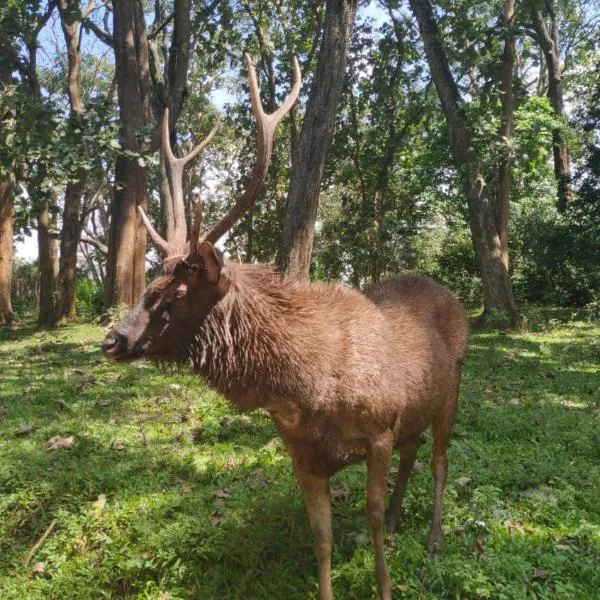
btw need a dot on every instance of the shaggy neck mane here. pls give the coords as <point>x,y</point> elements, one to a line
<point>252,340</point>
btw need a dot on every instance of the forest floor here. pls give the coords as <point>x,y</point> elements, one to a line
<point>158,490</point>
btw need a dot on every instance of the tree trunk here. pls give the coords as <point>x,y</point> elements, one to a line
<point>127,236</point>
<point>6,247</point>
<point>506,131</point>
<point>48,258</point>
<point>549,42</point>
<point>497,289</point>
<point>70,234</point>
<point>315,139</point>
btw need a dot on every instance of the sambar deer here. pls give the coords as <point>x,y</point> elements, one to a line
<point>345,376</point>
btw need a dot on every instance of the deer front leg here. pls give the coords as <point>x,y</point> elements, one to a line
<point>378,470</point>
<point>318,505</point>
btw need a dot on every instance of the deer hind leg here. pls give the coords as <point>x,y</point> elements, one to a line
<point>441,430</point>
<point>408,454</point>
<point>318,506</point>
<point>378,470</point>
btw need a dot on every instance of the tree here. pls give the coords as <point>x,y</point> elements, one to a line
<point>47,247</point>
<point>127,237</point>
<point>71,17</point>
<point>497,289</point>
<point>8,61</point>
<point>547,36</point>
<point>6,247</point>
<point>315,139</point>
<point>506,129</point>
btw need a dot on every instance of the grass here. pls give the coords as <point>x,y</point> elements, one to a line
<point>166,493</point>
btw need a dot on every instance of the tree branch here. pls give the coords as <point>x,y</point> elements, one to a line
<point>86,239</point>
<point>101,34</point>
<point>152,34</point>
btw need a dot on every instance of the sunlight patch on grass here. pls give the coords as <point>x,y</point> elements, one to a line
<point>166,490</point>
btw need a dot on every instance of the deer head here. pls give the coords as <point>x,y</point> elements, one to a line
<point>192,282</point>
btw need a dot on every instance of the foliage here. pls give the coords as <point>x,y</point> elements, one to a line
<point>25,288</point>
<point>165,490</point>
<point>90,299</point>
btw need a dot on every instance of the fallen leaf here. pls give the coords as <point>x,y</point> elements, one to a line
<point>340,492</point>
<point>103,402</point>
<point>186,489</point>
<point>118,445</point>
<point>38,568</point>
<point>219,503</point>
<point>539,573</point>
<point>216,518</point>
<point>195,434</point>
<point>164,596</point>
<point>225,422</point>
<point>462,481</point>
<point>24,430</point>
<point>3,410</point>
<point>175,386</point>
<point>86,382</point>
<point>221,493</point>
<point>562,547</point>
<point>99,503</point>
<point>259,479</point>
<point>61,403</point>
<point>402,588</point>
<point>57,442</point>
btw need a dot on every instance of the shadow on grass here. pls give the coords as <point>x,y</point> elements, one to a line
<point>221,517</point>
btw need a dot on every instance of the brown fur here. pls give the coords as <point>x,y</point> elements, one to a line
<point>345,376</point>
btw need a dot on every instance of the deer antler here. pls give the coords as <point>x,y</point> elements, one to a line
<point>265,130</point>
<point>174,167</point>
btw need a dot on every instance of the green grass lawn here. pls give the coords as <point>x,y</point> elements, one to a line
<point>165,492</point>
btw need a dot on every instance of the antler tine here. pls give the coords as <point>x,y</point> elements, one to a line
<point>174,167</point>
<point>161,245</point>
<point>265,130</point>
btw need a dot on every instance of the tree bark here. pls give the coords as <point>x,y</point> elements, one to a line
<point>70,234</point>
<point>550,45</point>
<point>497,289</point>
<point>6,247</point>
<point>48,264</point>
<point>8,60</point>
<point>127,236</point>
<point>315,139</point>
<point>506,131</point>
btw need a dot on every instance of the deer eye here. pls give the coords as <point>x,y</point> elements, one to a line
<point>181,291</point>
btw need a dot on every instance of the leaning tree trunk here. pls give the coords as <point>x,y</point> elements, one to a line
<point>6,247</point>
<point>549,42</point>
<point>127,236</point>
<point>506,131</point>
<point>315,139</point>
<point>497,289</point>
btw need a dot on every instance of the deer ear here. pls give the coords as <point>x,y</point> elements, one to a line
<point>211,261</point>
<point>214,264</point>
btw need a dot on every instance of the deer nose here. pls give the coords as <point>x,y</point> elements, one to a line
<point>113,344</point>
